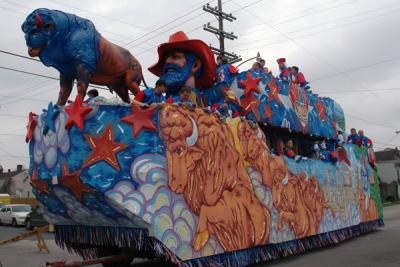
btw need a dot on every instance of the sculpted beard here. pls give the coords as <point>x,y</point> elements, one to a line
<point>175,77</point>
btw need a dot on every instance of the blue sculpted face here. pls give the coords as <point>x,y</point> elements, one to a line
<point>38,29</point>
<point>177,70</point>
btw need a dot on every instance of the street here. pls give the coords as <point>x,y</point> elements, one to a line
<point>379,248</point>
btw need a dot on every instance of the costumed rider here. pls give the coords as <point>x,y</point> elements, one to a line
<point>289,151</point>
<point>365,141</point>
<point>93,93</point>
<point>340,141</point>
<point>285,74</point>
<point>225,72</point>
<point>326,155</point>
<point>256,68</point>
<point>152,96</point>
<point>354,138</point>
<point>185,62</point>
<point>298,78</point>
<point>264,69</point>
<point>184,96</point>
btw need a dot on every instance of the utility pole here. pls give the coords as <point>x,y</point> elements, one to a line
<point>220,33</point>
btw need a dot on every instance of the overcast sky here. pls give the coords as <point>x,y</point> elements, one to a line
<point>348,49</point>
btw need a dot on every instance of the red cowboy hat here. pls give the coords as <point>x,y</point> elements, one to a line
<point>281,60</point>
<point>179,40</point>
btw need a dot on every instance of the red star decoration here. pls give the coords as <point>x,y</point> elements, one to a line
<point>250,84</point>
<point>31,126</point>
<point>73,182</point>
<point>274,90</point>
<point>41,186</point>
<point>250,103</point>
<point>76,113</point>
<point>141,118</point>
<point>321,110</point>
<point>268,112</point>
<point>104,148</point>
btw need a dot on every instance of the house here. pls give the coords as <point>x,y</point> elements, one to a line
<point>16,183</point>
<point>388,164</point>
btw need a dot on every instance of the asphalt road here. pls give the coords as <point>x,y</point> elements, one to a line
<point>380,248</point>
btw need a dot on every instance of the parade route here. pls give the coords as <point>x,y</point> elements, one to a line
<point>378,248</point>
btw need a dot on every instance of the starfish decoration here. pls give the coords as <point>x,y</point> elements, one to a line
<point>274,90</point>
<point>140,118</point>
<point>250,84</point>
<point>250,104</point>
<point>262,86</point>
<point>320,107</point>
<point>31,126</point>
<point>235,89</point>
<point>40,186</point>
<point>73,182</point>
<point>48,118</point>
<point>76,114</point>
<point>104,148</point>
<point>268,112</point>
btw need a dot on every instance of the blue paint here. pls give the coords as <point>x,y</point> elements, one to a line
<point>71,41</point>
<point>48,119</point>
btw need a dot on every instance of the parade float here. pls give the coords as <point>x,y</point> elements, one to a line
<point>180,182</point>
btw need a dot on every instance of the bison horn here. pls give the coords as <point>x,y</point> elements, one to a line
<point>39,22</point>
<point>285,181</point>
<point>259,134</point>
<point>192,139</point>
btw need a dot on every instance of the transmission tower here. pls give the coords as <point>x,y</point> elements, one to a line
<point>220,33</point>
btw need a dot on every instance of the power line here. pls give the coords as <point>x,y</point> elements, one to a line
<point>166,24</point>
<point>358,68</point>
<point>11,134</point>
<point>370,121</point>
<point>301,11</point>
<point>30,9</point>
<point>30,73</point>
<point>304,48</point>
<point>12,115</point>
<point>18,55</point>
<point>302,16</point>
<point>362,91</point>
<point>14,156</point>
<point>220,33</point>
<point>12,10</point>
<point>22,98</point>
<point>197,27</point>
<point>30,89</point>
<point>314,25</point>
<point>102,16</point>
<point>323,31</point>
<point>155,36</point>
<point>384,143</point>
<point>44,76</point>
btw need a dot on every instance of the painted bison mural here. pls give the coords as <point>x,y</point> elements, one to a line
<point>205,167</point>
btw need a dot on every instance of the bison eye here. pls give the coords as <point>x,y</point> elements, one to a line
<point>180,151</point>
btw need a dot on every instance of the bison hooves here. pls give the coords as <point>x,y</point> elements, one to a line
<point>200,240</point>
<point>280,225</point>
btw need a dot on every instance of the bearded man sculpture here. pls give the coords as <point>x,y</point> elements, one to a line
<point>183,61</point>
